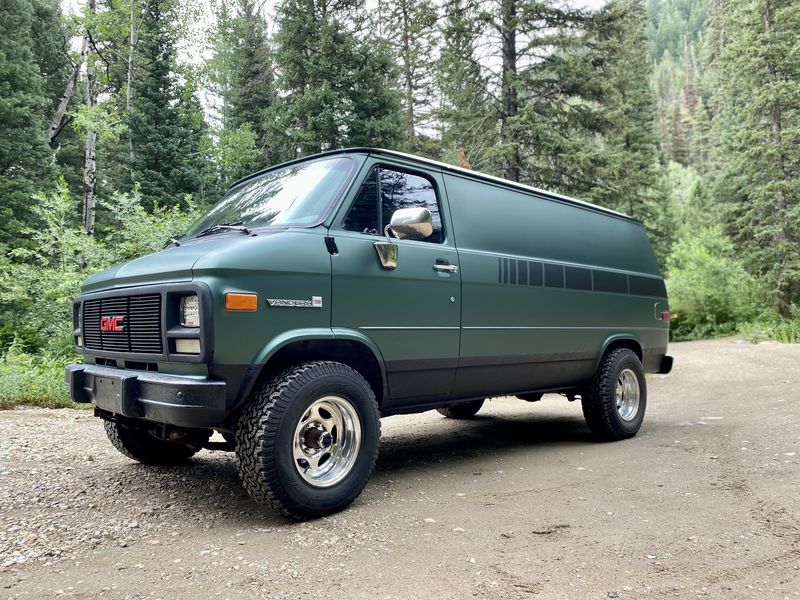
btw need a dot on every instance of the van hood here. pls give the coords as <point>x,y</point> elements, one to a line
<point>172,265</point>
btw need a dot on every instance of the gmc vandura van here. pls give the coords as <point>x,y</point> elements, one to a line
<point>322,294</point>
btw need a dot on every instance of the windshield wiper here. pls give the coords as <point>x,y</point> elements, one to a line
<point>237,226</point>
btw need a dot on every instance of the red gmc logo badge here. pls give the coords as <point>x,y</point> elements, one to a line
<point>112,323</point>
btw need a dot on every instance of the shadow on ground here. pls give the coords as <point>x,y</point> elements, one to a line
<point>210,490</point>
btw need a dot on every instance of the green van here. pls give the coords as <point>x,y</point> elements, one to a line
<point>324,293</point>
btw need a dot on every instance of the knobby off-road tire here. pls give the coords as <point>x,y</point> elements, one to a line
<point>291,422</point>
<point>465,410</point>
<point>143,447</point>
<point>615,400</point>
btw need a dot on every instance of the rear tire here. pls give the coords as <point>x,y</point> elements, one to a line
<point>615,400</point>
<point>139,445</point>
<point>308,440</point>
<point>465,410</point>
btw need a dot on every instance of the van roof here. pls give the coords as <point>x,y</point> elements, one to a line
<point>453,169</point>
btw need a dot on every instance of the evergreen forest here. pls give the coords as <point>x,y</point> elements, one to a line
<point>122,121</point>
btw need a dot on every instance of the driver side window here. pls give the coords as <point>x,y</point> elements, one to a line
<point>387,190</point>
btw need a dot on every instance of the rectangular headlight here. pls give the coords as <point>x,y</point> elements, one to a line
<point>190,311</point>
<point>187,346</point>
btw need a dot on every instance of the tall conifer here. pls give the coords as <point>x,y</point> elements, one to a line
<point>338,86</point>
<point>24,155</point>
<point>410,29</point>
<point>754,59</point>
<point>165,122</point>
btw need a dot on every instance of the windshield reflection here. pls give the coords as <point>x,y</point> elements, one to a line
<point>295,195</point>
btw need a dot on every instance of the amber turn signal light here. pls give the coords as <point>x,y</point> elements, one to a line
<point>235,301</point>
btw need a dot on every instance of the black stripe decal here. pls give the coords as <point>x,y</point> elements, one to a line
<point>553,275</point>
<point>608,281</point>
<point>531,273</point>
<point>536,276</point>
<point>647,286</point>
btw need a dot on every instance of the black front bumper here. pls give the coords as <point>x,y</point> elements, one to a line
<point>171,399</point>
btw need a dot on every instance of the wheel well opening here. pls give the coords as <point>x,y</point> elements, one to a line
<point>627,343</point>
<point>348,352</point>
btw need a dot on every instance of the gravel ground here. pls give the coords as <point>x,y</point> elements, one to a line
<point>517,503</point>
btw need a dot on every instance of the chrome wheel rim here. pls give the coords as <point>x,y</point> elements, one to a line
<point>326,441</point>
<point>627,395</point>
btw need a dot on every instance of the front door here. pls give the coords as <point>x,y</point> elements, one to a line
<point>412,312</point>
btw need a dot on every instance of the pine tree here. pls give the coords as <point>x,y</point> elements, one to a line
<point>631,175</point>
<point>410,29</point>
<point>674,24</point>
<point>251,91</point>
<point>754,60</point>
<point>165,122</point>
<point>467,114</point>
<point>512,55</point>
<point>23,105</point>
<point>338,89</point>
<point>50,43</point>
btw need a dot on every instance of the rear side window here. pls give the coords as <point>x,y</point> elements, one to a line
<point>387,190</point>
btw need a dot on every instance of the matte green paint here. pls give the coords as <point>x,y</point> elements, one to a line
<point>293,265</point>
<point>412,313</point>
<point>438,336</point>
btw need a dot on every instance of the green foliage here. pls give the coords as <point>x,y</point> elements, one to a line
<point>770,327</point>
<point>32,379</point>
<point>138,231</point>
<point>103,117</point>
<point>710,291</point>
<point>235,153</point>
<point>338,89</point>
<point>757,49</point>
<point>674,24</point>
<point>24,153</point>
<point>252,91</point>
<point>166,124</point>
<point>467,114</point>
<point>37,287</point>
<point>410,31</point>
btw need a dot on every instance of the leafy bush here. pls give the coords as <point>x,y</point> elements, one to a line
<point>710,291</point>
<point>29,379</point>
<point>137,231</point>
<point>772,327</point>
<point>37,287</point>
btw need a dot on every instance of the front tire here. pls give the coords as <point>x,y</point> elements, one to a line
<point>465,410</point>
<point>308,441</point>
<point>139,445</point>
<point>615,401</point>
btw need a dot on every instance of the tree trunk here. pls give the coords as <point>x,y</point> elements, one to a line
<point>783,291</point>
<point>90,146</point>
<point>57,122</point>
<point>508,34</point>
<point>409,79</point>
<point>129,90</point>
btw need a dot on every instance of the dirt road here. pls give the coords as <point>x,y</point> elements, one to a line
<point>517,503</point>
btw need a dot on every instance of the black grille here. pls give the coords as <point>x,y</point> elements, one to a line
<point>139,318</point>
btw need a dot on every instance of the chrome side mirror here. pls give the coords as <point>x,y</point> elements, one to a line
<point>412,223</point>
<point>387,251</point>
<point>406,224</point>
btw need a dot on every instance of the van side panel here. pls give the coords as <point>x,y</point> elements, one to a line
<point>545,285</point>
<point>512,222</point>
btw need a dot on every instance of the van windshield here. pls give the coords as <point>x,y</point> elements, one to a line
<point>295,195</point>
